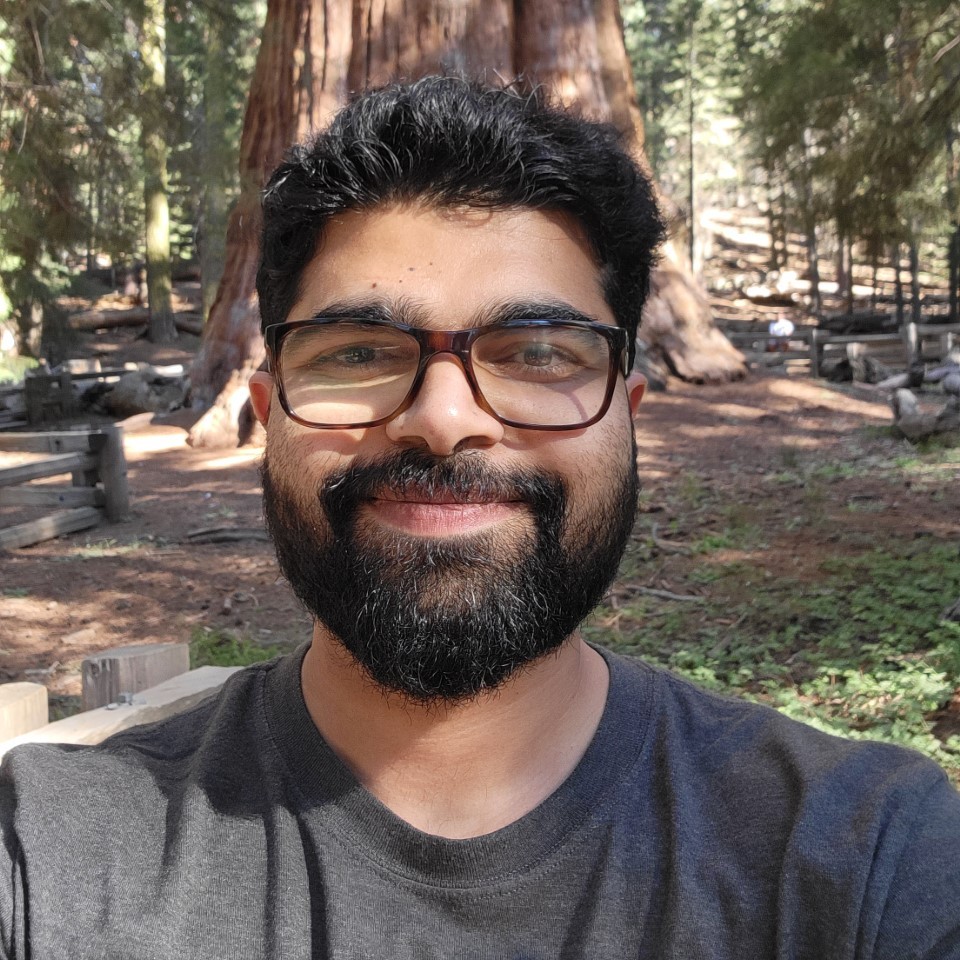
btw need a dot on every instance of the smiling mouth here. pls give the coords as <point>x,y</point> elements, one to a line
<point>441,498</point>
<point>442,513</point>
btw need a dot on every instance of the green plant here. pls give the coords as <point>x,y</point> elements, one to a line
<point>714,541</point>
<point>13,369</point>
<point>790,457</point>
<point>223,648</point>
<point>690,490</point>
<point>939,442</point>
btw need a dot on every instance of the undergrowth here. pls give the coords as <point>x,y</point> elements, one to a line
<point>223,648</point>
<point>13,369</point>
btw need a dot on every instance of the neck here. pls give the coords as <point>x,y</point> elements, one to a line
<point>466,769</point>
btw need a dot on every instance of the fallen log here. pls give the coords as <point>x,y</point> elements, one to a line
<point>134,317</point>
<point>107,319</point>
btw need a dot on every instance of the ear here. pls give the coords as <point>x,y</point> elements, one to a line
<point>261,393</point>
<point>636,385</point>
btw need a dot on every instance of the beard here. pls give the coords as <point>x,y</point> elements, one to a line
<point>444,619</point>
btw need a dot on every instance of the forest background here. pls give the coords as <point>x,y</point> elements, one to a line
<point>830,126</point>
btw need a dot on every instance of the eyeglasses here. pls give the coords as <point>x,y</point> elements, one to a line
<point>543,374</point>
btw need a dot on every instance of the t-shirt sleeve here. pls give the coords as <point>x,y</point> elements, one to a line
<point>920,917</point>
<point>11,871</point>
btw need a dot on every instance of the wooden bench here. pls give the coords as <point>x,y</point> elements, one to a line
<point>95,461</point>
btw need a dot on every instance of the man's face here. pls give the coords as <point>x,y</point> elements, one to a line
<point>443,549</point>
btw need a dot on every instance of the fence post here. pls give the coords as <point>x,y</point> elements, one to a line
<point>910,341</point>
<point>110,673</point>
<point>33,393</point>
<point>814,353</point>
<point>113,472</point>
<point>23,707</point>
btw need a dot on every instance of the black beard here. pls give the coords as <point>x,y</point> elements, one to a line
<point>445,619</point>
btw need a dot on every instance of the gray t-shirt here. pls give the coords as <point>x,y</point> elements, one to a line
<point>694,827</point>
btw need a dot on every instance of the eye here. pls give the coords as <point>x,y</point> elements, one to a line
<point>539,355</point>
<point>356,355</point>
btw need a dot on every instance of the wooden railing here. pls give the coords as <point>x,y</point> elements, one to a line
<point>122,688</point>
<point>98,490</point>
<point>812,344</point>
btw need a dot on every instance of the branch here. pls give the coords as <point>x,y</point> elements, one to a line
<point>945,49</point>
<point>666,594</point>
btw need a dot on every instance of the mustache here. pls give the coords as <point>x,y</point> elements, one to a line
<point>462,478</point>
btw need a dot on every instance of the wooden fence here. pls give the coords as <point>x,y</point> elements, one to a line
<point>98,490</point>
<point>813,345</point>
<point>146,683</point>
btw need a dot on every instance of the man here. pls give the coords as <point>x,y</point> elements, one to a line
<point>781,330</point>
<point>450,287</point>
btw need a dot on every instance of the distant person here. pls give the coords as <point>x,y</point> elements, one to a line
<point>781,330</point>
<point>450,287</point>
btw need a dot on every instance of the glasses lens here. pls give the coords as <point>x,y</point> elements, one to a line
<point>347,372</point>
<point>541,375</point>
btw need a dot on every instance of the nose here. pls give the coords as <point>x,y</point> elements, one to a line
<point>445,416</point>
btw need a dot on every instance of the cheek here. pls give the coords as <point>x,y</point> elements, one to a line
<point>592,463</point>
<point>306,456</point>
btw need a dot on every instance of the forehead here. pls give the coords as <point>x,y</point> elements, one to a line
<point>451,266</point>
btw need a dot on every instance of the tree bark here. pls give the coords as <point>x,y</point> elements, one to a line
<point>154,146</point>
<point>813,268</point>
<point>216,176</point>
<point>953,260</point>
<point>314,51</point>
<point>897,283</point>
<point>298,81</point>
<point>953,249</point>
<point>915,308</point>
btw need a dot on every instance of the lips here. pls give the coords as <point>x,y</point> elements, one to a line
<point>443,497</point>
<point>417,493</point>
<point>441,513</point>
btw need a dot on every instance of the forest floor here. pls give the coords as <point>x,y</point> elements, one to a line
<point>798,529</point>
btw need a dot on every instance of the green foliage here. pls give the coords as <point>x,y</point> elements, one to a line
<point>851,112</point>
<point>12,369</point>
<point>839,120</point>
<point>71,172</point>
<point>223,648</point>
<point>679,50</point>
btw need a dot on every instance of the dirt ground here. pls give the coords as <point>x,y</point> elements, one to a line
<point>148,580</point>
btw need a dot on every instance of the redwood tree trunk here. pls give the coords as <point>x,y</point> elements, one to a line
<point>299,80</point>
<point>153,51</point>
<point>315,51</point>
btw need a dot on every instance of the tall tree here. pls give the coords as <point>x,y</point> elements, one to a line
<point>154,143</point>
<point>851,108</point>
<point>314,52</point>
<point>216,153</point>
<point>57,96</point>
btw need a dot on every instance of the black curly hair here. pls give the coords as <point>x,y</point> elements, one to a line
<point>449,142</point>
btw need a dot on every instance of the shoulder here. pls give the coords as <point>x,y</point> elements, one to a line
<point>711,730</point>
<point>744,772</point>
<point>838,827</point>
<point>140,762</point>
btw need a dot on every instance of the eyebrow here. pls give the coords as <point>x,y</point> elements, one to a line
<point>415,314</point>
